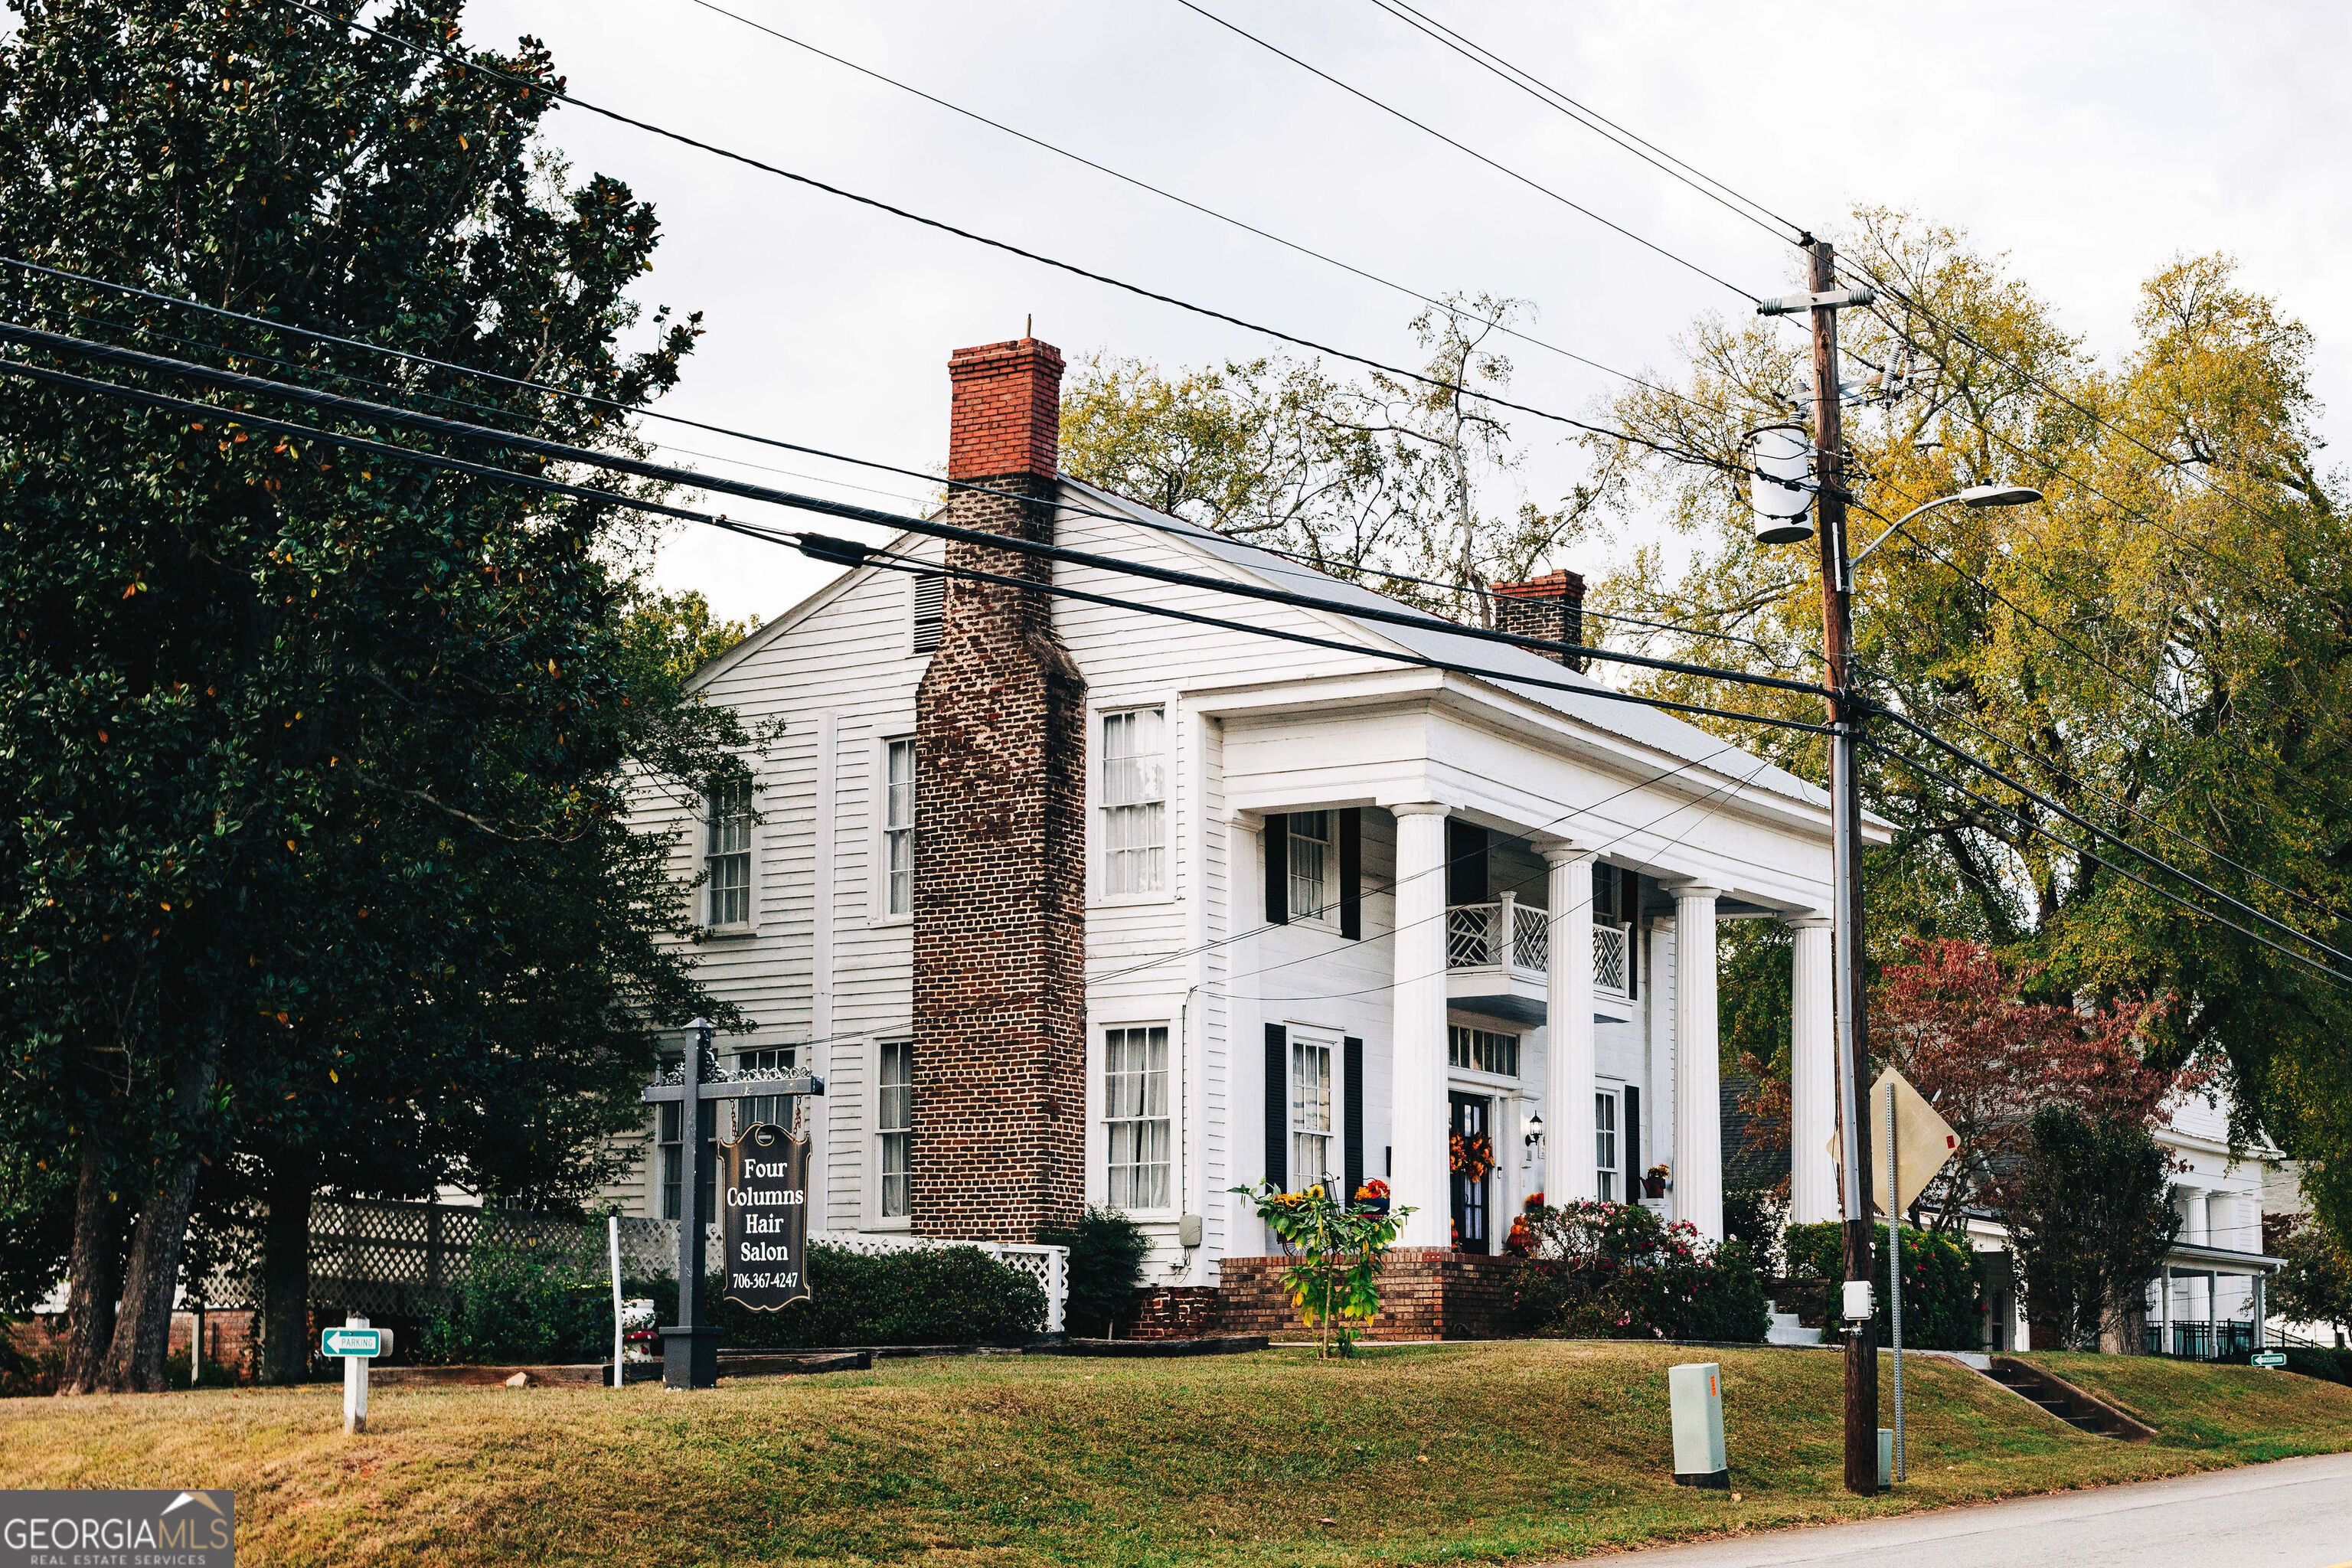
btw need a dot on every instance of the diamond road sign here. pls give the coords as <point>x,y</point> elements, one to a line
<point>351,1342</point>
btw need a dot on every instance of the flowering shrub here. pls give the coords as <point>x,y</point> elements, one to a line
<point>1336,1248</point>
<point>1943,1296</point>
<point>1616,1271</point>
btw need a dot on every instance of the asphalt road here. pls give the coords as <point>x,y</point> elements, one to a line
<point>2296,1513</point>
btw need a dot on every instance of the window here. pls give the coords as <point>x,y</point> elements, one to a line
<point>775,1110</point>
<point>895,1122</point>
<point>1482,1050</point>
<point>669,1136</point>
<point>1604,1143</point>
<point>1310,864</point>
<point>1310,1111</point>
<point>927,607</point>
<point>898,830</point>
<point>1605,885</point>
<point>1134,799</point>
<point>1135,1098</point>
<point>727,855</point>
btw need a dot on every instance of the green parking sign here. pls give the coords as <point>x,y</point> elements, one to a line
<point>351,1342</point>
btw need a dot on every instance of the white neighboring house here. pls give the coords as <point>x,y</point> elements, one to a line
<point>1332,908</point>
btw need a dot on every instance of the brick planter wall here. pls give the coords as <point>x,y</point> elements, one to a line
<point>1426,1293</point>
<point>1174,1312</point>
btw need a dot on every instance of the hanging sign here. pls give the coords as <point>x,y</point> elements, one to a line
<point>764,1195</point>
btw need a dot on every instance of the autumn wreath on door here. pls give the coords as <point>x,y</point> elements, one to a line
<point>1471,1156</point>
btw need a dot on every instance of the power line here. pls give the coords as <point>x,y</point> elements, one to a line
<point>1419,377</point>
<point>1206,211</point>
<point>1427,129</point>
<point>843,552</point>
<point>563,452</point>
<point>734,434</point>
<point>2087,825</point>
<point>1550,97</point>
<point>2306,899</point>
<point>2058,838</point>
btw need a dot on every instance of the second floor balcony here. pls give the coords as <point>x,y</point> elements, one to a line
<point>1498,956</point>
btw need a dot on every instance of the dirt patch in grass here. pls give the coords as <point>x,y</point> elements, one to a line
<point>1493,1452</point>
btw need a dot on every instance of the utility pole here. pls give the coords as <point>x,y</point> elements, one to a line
<point>1845,792</point>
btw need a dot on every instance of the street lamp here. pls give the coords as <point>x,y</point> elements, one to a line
<point>1975,498</point>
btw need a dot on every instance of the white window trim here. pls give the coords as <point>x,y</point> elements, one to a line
<point>877,891</point>
<point>872,1108</point>
<point>1098,813</point>
<point>1328,920</point>
<point>1334,1041</point>
<point>1615,1092</point>
<point>702,869</point>
<point>1098,1117</point>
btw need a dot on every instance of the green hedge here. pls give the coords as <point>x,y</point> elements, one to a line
<point>938,1296</point>
<point>2334,1365</point>
<point>1615,1271</point>
<point>1943,1290</point>
<point>519,1304</point>
<point>1106,1255</point>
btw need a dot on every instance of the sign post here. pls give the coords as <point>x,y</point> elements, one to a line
<point>690,1345</point>
<point>356,1344</point>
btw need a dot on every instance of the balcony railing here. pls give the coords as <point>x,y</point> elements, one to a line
<point>1507,934</point>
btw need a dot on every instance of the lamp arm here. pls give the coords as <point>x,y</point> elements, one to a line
<point>1855,564</point>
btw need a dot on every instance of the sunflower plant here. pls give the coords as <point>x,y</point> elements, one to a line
<point>1335,1249</point>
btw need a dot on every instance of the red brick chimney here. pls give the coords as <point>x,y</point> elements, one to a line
<point>1000,852</point>
<point>1550,606</point>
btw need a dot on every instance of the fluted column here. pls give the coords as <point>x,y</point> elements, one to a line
<point>1812,1075</point>
<point>1417,1104</point>
<point>1569,1154</point>
<point>1699,1108</point>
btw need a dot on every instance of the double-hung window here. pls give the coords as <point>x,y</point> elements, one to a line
<point>894,1123</point>
<point>775,1110</point>
<point>1135,1100</point>
<point>1604,1143</point>
<point>898,830</point>
<point>727,853</point>
<point>1310,1110</point>
<point>1310,864</point>
<point>1134,802</point>
<point>669,1136</point>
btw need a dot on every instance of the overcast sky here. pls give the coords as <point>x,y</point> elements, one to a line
<point>2090,143</point>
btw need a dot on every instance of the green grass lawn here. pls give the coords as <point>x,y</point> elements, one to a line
<point>2242,1413</point>
<point>1487,1452</point>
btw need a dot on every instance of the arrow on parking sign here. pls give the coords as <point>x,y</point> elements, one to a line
<point>351,1341</point>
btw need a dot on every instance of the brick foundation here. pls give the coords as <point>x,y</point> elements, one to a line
<point>1000,854</point>
<point>1174,1312</point>
<point>232,1343</point>
<point>1426,1293</point>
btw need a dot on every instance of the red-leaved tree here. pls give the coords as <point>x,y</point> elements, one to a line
<point>1951,1019</point>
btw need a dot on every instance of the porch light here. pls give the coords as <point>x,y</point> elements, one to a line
<point>1534,1129</point>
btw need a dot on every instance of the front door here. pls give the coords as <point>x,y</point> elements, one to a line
<point>1471,1148</point>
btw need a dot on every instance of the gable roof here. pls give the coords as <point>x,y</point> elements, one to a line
<point>1434,638</point>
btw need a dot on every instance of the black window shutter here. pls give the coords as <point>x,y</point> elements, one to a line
<point>1630,901</point>
<point>1352,1115</point>
<point>1466,863</point>
<point>1351,879</point>
<point>1632,1141</point>
<point>1278,1106</point>
<point>1277,870</point>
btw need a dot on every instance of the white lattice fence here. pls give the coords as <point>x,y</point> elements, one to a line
<point>1050,1265</point>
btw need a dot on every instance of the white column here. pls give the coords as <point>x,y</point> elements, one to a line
<point>1813,1076</point>
<point>1417,1105</point>
<point>1699,1110</point>
<point>1570,1154</point>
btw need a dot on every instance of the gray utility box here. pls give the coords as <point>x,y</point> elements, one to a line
<point>1696,1391</point>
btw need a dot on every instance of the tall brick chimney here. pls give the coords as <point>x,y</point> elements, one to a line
<point>1000,853</point>
<point>1550,606</point>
